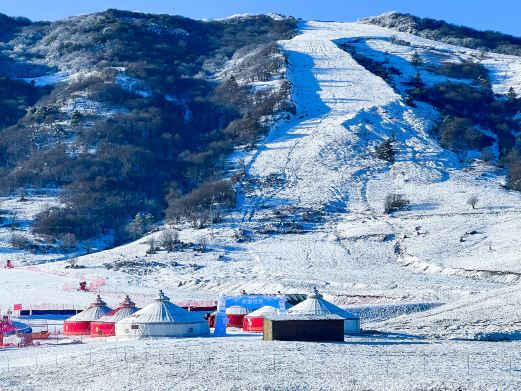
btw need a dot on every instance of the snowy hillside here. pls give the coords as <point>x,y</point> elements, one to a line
<point>311,203</point>
<point>488,316</point>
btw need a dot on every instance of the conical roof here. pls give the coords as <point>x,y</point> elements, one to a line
<point>315,304</point>
<point>263,311</point>
<point>163,311</point>
<point>126,308</point>
<point>95,311</point>
<point>127,302</point>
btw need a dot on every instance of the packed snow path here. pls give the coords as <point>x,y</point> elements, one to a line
<point>309,154</point>
<point>323,157</point>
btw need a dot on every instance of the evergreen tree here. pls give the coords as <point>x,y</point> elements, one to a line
<point>417,80</point>
<point>148,220</point>
<point>511,95</point>
<point>136,227</point>
<point>416,59</point>
<point>386,151</point>
<point>484,83</point>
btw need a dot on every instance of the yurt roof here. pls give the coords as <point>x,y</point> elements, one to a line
<point>163,311</point>
<point>236,310</point>
<point>304,317</point>
<point>126,308</point>
<point>118,314</point>
<point>263,311</point>
<point>94,312</point>
<point>315,304</point>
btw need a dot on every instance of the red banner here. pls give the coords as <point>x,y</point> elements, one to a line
<point>17,307</point>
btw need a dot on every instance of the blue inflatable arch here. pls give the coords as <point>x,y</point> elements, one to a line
<point>251,302</point>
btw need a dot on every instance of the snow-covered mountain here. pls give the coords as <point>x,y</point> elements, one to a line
<point>311,196</point>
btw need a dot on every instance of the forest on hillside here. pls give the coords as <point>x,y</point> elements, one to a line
<point>143,126</point>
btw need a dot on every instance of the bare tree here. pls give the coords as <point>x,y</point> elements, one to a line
<point>69,242</point>
<point>20,241</point>
<point>72,262</point>
<point>12,221</point>
<point>472,201</point>
<point>203,244</point>
<point>242,166</point>
<point>168,239</point>
<point>151,242</point>
<point>23,195</point>
<point>395,202</point>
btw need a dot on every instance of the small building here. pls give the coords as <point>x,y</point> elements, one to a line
<point>311,328</point>
<point>315,304</point>
<point>80,324</point>
<point>106,325</point>
<point>162,319</point>
<point>254,321</point>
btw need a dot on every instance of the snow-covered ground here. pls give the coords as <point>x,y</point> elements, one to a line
<point>491,315</point>
<point>245,362</point>
<point>310,210</point>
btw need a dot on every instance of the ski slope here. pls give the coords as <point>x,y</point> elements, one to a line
<point>322,164</point>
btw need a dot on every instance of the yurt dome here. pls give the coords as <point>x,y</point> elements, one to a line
<point>315,304</point>
<point>106,325</point>
<point>79,324</point>
<point>162,319</point>
<point>254,321</point>
<point>235,315</point>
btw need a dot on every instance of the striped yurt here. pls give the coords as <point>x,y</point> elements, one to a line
<point>162,319</point>
<point>106,325</point>
<point>79,324</point>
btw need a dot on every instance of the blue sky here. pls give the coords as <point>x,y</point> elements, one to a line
<point>500,15</point>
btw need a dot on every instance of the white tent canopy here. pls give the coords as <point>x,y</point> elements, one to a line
<point>263,311</point>
<point>162,319</point>
<point>315,304</point>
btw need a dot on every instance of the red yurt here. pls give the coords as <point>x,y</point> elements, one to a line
<point>106,325</point>
<point>253,322</point>
<point>235,315</point>
<point>79,324</point>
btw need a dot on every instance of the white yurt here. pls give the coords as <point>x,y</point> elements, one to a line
<point>162,319</point>
<point>315,304</point>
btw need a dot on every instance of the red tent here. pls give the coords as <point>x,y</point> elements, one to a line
<point>235,315</point>
<point>79,324</point>
<point>106,325</point>
<point>254,321</point>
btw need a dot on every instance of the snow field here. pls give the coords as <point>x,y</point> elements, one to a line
<point>246,362</point>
